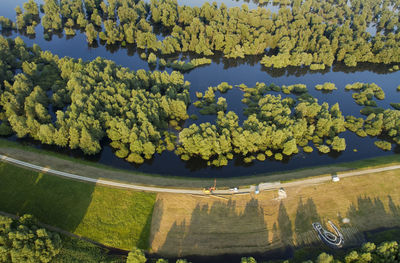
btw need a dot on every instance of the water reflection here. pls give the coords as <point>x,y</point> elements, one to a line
<point>235,71</point>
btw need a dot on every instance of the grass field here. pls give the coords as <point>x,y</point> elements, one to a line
<point>185,225</point>
<point>77,251</point>
<point>114,217</point>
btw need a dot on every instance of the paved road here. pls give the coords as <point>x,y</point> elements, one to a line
<point>263,186</point>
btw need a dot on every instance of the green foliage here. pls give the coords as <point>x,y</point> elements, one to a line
<point>223,87</point>
<point>74,250</point>
<point>324,258</point>
<point>52,15</point>
<point>313,34</point>
<point>385,252</point>
<point>295,89</point>
<point>101,100</point>
<point>317,66</point>
<point>324,149</point>
<point>200,61</point>
<point>136,256</point>
<point>327,86</point>
<point>152,59</point>
<point>395,105</point>
<point>366,93</point>
<point>23,241</point>
<point>186,66</point>
<point>208,104</point>
<point>386,146</point>
<point>369,110</point>
<point>248,260</point>
<point>91,33</point>
<point>275,126</point>
<point>84,209</point>
<point>6,23</point>
<point>338,144</point>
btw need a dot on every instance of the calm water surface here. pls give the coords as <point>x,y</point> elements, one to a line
<point>247,71</point>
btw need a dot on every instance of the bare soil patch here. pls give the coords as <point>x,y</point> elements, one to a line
<point>190,225</point>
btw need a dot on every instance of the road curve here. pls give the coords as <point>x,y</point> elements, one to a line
<point>262,186</point>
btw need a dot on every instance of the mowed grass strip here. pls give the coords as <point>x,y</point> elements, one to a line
<point>115,217</point>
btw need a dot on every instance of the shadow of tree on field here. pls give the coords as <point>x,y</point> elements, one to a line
<point>369,213</point>
<point>306,215</point>
<point>219,228</point>
<point>157,216</point>
<point>285,226</point>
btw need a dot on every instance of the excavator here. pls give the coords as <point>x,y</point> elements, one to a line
<point>211,189</point>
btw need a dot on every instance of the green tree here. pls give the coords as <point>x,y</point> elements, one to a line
<point>136,256</point>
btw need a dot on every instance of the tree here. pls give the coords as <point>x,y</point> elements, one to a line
<point>136,256</point>
<point>91,33</point>
<point>23,241</point>
<point>248,260</point>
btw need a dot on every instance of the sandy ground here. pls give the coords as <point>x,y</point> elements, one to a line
<point>188,224</point>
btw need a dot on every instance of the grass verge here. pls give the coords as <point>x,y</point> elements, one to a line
<point>114,217</point>
<point>76,251</point>
<point>86,168</point>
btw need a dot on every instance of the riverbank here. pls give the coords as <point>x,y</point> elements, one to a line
<point>57,161</point>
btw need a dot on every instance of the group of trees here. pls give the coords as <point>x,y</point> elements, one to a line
<point>308,33</point>
<point>386,252</point>
<point>23,241</point>
<point>275,127</point>
<point>28,18</point>
<point>366,93</point>
<point>76,104</point>
<point>327,86</point>
<point>208,104</point>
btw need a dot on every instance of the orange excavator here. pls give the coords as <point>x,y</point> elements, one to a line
<point>211,189</point>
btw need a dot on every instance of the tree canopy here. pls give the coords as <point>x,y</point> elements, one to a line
<point>307,33</point>
<point>23,241</point>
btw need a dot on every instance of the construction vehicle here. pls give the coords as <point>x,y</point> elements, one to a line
<point>211,189</point>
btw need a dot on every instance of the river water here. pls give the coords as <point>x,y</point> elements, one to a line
<point>247,71</point>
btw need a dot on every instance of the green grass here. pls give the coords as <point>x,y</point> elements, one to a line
<point>371,162</point>
<point>114,217</point>
<point>76,251</point>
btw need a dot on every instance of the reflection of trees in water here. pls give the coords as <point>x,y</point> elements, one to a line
<point>218,58</point>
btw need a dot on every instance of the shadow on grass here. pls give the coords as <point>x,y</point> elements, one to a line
<point>52,200</point>
<point>219,228</point>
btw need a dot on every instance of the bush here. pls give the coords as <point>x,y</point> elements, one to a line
<point>395,105</point>
<point>317,66</point>
<point>324,149</point>
<point>327,86</point>
<point>386,146</point>
<point>307,149</point>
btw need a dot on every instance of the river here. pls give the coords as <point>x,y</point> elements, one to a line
<point>247,71</point>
